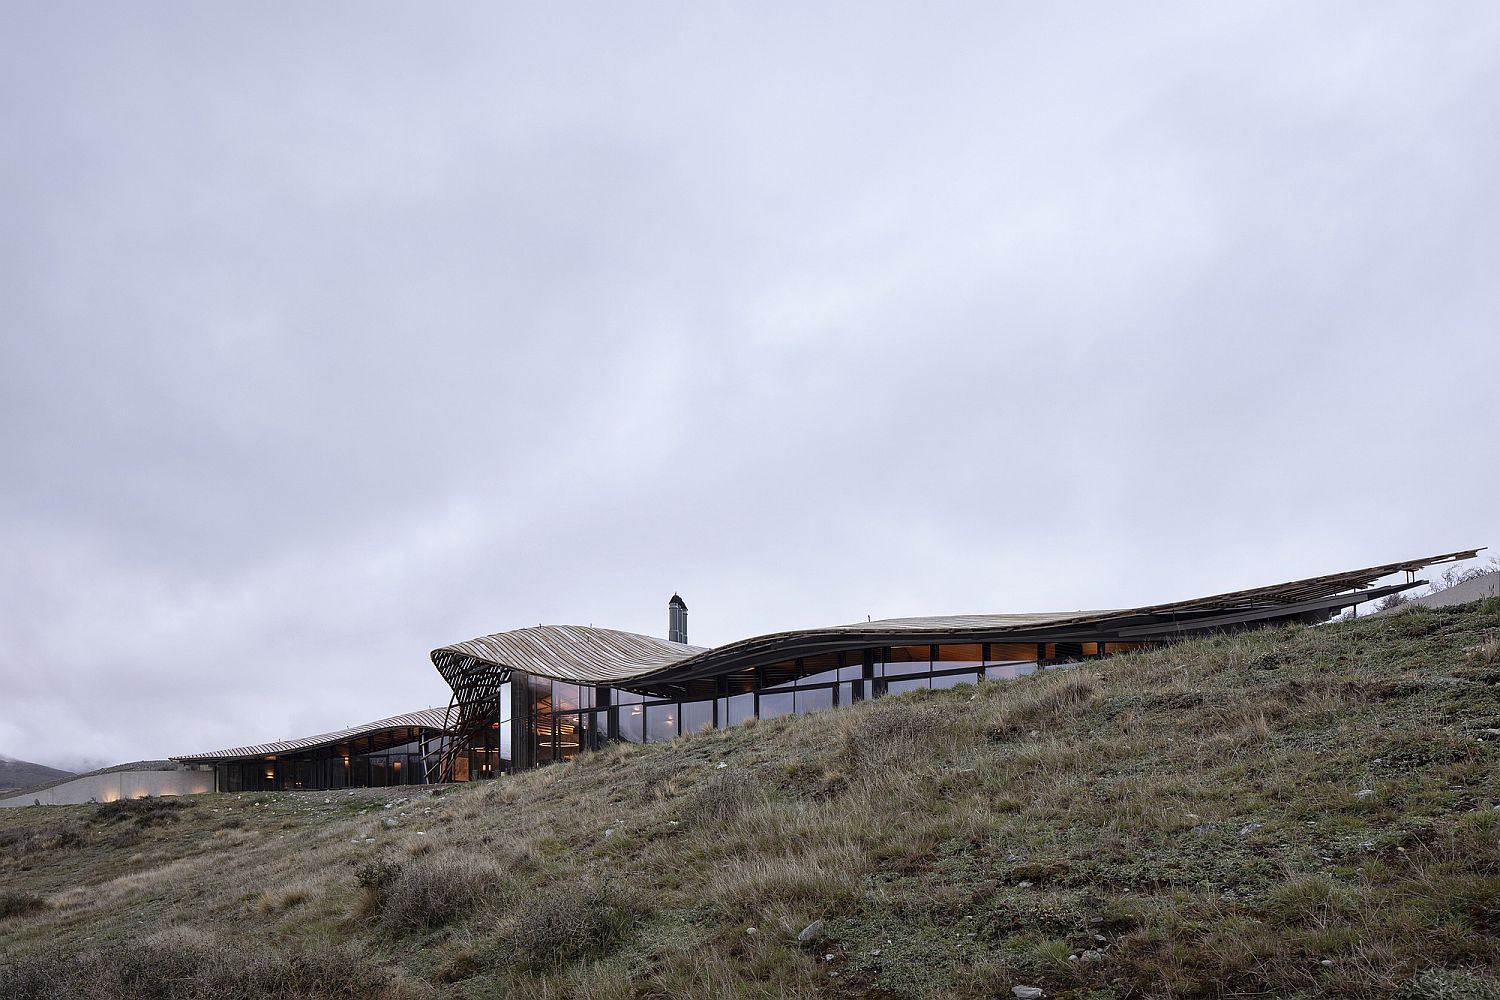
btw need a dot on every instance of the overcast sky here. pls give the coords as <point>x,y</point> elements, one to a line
<point>335,334</point>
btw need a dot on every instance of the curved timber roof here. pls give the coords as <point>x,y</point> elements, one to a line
<point>606,656</point>
<point>428,718</point>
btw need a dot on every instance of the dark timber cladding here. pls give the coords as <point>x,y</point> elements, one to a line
<point>538,694</point>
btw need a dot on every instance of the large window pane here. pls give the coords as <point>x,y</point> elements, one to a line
<point>820,669</point>
<point>772,705</point>
<point>564,697</point>
<point>661,723</point>
<point>541,694</point>
<point>697,715</point>
<point>781,674</point>
<point>568,741</point>
<point>632,723</point>
<point>739,708</point>
<point>953,680</point>
<point>813,700</point>
<point>595,732</point>
<point>505,701</point>
<point>901,660</point>
<point>852,665</point>
<point>545,742</point>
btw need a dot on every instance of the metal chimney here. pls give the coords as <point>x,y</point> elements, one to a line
<point>677,620</point>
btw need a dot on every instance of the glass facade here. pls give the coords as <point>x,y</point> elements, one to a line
<point>375,760</point>
<point>561,719</point>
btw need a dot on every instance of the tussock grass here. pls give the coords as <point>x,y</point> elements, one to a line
<point>19,904</point>
<point>1298,812</point>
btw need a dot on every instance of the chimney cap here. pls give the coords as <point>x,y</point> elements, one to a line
<point>678,601</point>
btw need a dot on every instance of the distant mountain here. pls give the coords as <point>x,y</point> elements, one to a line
<point>24,774</point>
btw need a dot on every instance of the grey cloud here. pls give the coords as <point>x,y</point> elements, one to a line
<point>335,334</point>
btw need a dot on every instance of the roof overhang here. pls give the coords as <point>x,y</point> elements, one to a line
<point>655,666</point>
<point>432,719</point>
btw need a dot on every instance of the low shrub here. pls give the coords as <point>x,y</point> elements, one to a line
<point>579,918</point>
<point>144,812</point>
<point>18,904</point>
<point>182,964</point>
<point>421,894</point>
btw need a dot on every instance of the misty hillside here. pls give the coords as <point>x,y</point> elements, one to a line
<point>24,774</point>
<point>1298,812</point>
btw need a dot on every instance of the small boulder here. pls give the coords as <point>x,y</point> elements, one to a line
<point>1027,992</point>
<point>811,931</point>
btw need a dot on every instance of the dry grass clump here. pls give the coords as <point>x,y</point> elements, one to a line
<point>897,731</point>
<point>279,900</point>
<point>423,893</point>
<point>1042,703</point>
<point>573,918</point>
<point>19,904</point>
<point>720,799</point>
<point>183,964</point>
<point>31,840</point>
<point>142,812</point>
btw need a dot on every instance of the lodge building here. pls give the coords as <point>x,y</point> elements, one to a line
<point>535,696</point>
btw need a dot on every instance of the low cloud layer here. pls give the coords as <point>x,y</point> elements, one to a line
<point>332,335</point>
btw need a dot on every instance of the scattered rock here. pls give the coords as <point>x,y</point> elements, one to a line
<point>1027,992</point>
<point>1023,885</point>
<point>1202,830</point>
<point>1364,793</point>
<point>751,932</point>
<point>874,952</point>
<point>1093,955</point>
<point>721,764</point>
<point>811,931</point>
<point>1249,828</point>
<point>1326,961</point>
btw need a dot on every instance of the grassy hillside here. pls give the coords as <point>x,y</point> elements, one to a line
<point>1297,812</point>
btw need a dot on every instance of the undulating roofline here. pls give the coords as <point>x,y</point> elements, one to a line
<point>597,656</point>
<point>428,718</point>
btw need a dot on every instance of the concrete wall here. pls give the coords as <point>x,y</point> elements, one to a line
<point>1476,589</point>
<point>116,785</point>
